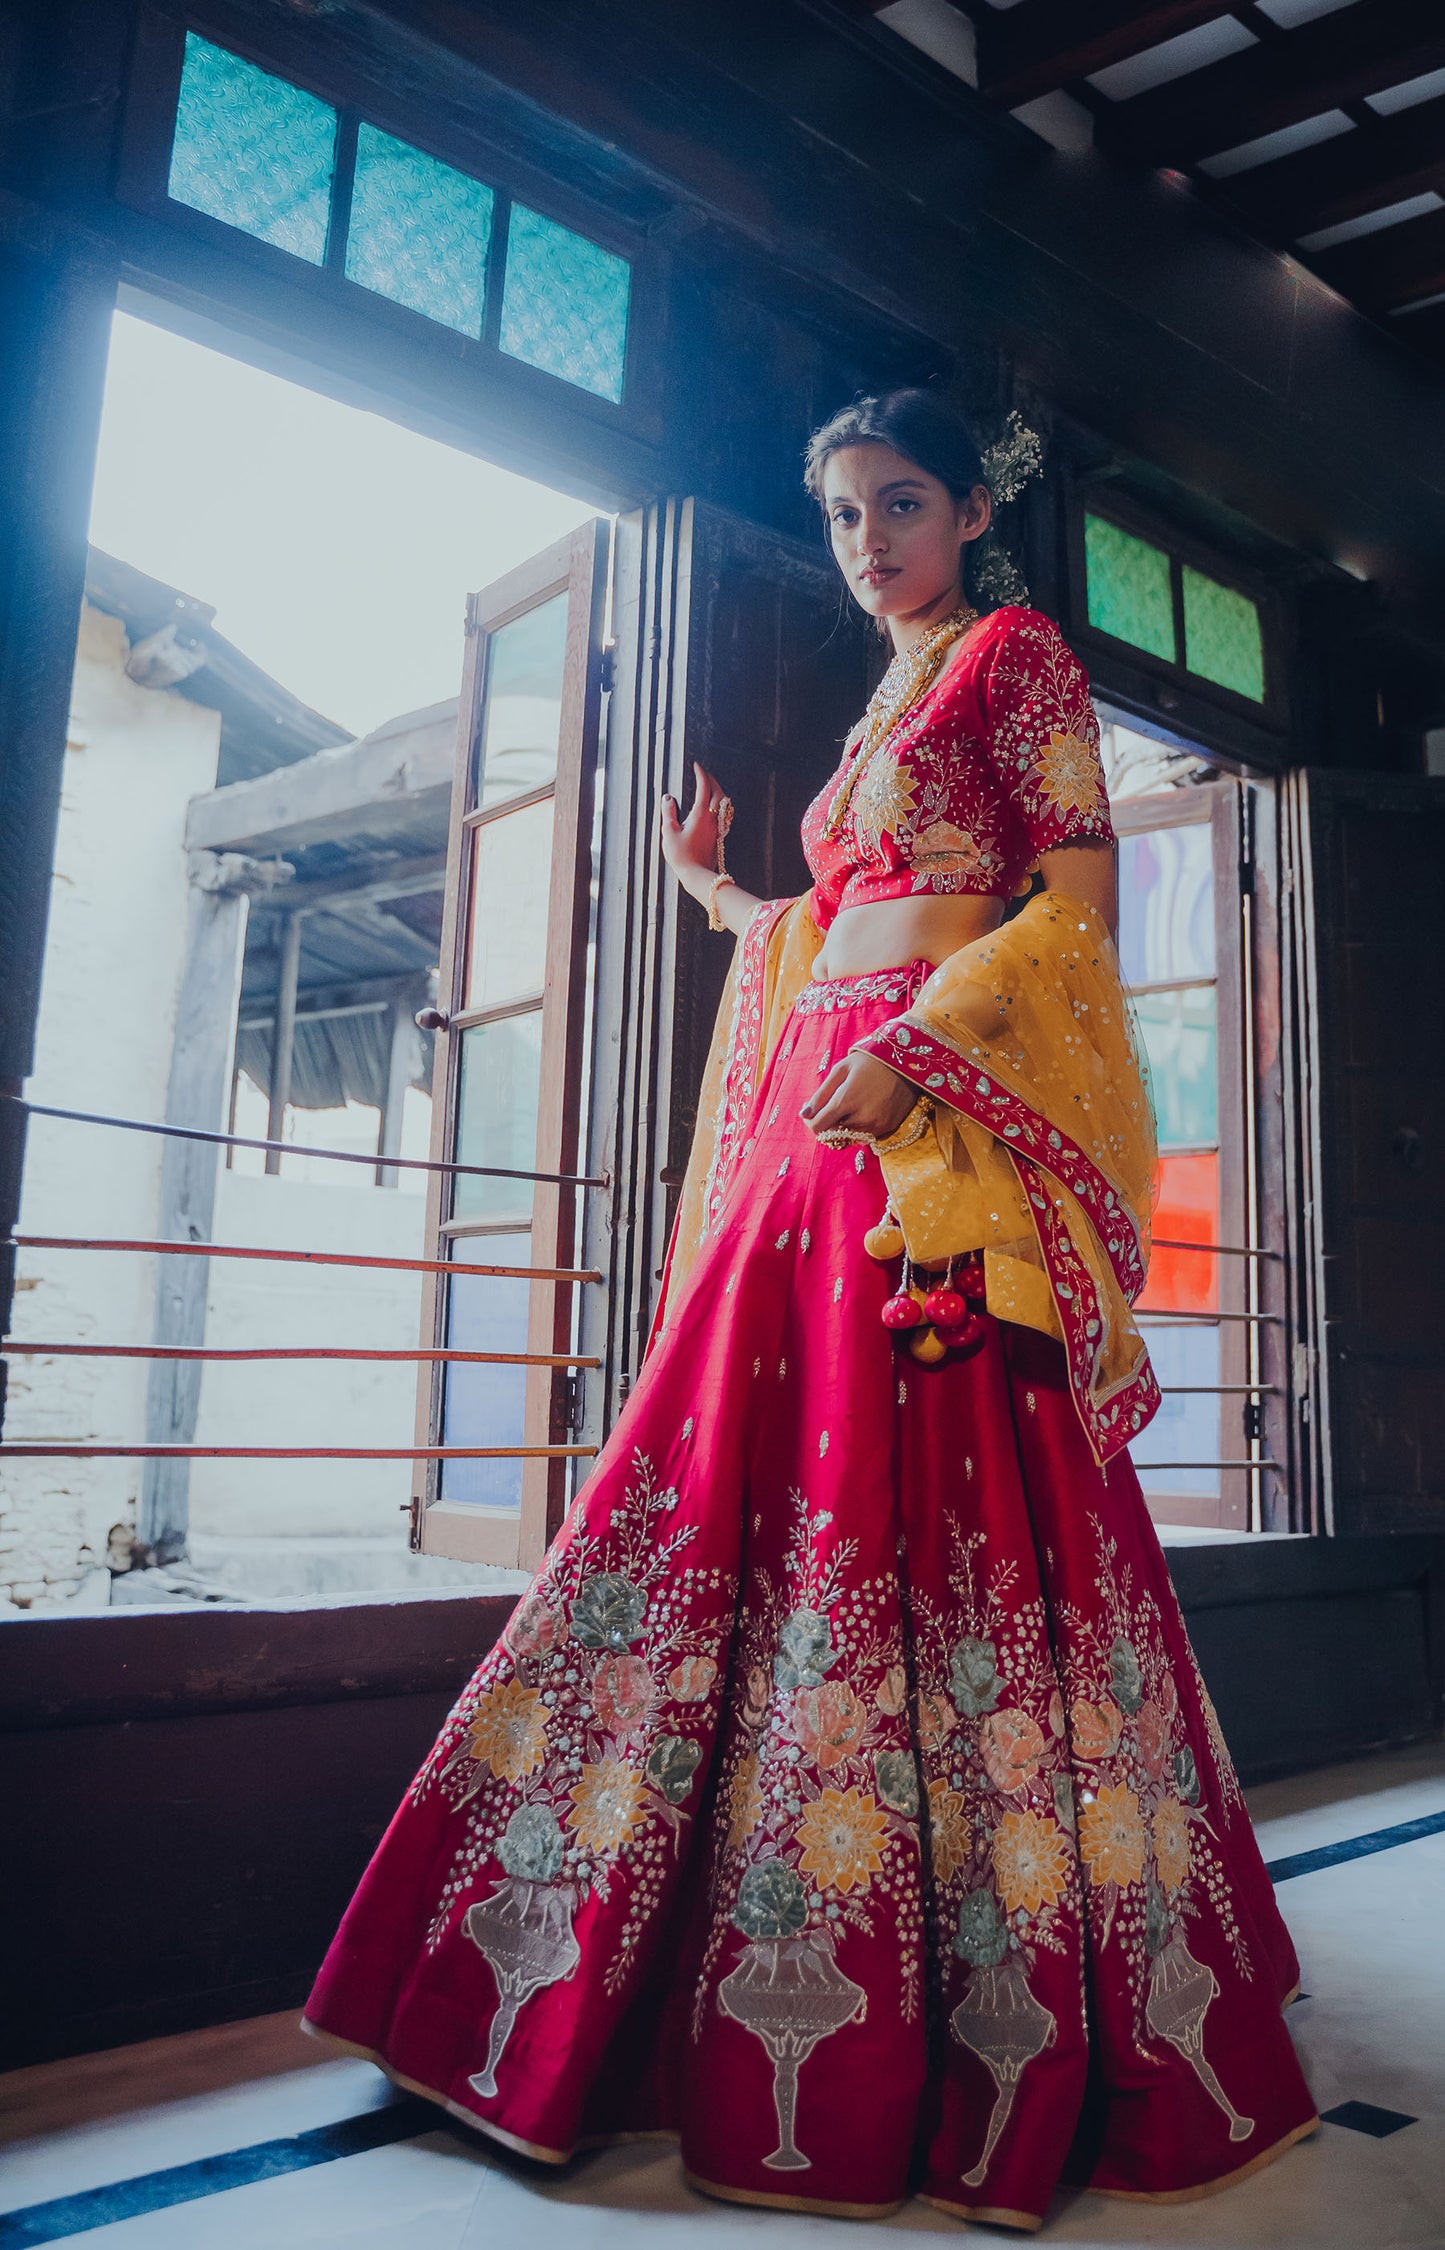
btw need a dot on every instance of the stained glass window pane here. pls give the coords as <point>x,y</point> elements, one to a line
<point>419,231</point>
<point>565,303</point>
<point>1128,588</point>
<point>1222,637</point>
<point>1186,1428</point>
<point>522,721</point>
<point>253,151</point>
<point>484,1405</point>
<point>1166,904</point>
<point>1186,1209</point>
<point>1178,1031</point>
<point>497,1114</point>
<point>511,881</point>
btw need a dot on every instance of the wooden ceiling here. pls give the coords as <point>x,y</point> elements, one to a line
<point>1319,126</point>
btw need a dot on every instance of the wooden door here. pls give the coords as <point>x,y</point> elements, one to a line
<point>1367,853</point>
<point>510,1071</point>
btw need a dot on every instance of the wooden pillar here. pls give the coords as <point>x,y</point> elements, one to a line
<point>199,1094</point>
<point>401,1069</point>
<point>283,1035</point>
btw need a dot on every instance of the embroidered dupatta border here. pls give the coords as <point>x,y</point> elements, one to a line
<point>745,1034</point>
<point>1037,1147</point>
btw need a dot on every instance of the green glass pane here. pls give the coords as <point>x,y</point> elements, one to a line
<point>419,232</point>
<point>565,303</point>
<point>1222,637</point>
<point>511,883</point>
<point>1128,584</point>
<point>1166,904</point>
<point>484,1405</point>
<point>253,151</point>
<point>497,1115</point>
<point>1181,1064</point>
<point>522,713</point>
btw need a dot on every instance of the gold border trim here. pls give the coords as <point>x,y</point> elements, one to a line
<point>512,2141</point>
<point>813,2203</point>
<point>985,2214</point>
<point>1210,2187</point>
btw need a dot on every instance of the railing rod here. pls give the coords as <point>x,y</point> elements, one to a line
<point>1156,1468</point>
<point>48,1451</point>
<point>306,1257</point>
<point>1163,1312</point>
<point>293,1148</point>
<point>1222,1390</point>
<point>1216,1249</point>
<point>13,1347</point>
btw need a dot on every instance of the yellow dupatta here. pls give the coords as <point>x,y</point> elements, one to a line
<point>1036,1145</point>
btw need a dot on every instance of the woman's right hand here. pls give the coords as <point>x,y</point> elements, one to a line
<point>690,846</point>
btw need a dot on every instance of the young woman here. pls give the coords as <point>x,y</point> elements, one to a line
<point>844,1797</point>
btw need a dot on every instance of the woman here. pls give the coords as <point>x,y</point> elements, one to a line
<point>844,1797</point>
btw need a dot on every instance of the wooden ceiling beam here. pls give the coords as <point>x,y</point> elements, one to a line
<point>1392,268</point>
<point>1323,65</point>
<point>1040,45</point>
<point>1344,178</point>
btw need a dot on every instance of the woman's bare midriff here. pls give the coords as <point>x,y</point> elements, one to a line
<point>891,932</point>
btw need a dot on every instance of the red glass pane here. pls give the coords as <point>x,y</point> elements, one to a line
<point>1186,1210</point>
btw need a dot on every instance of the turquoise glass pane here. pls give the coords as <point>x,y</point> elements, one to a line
<point>1166,904</point>
<point>1128,586</point>
<point>565,303</point>
<point>1185,1428</point>
<point>522,714</point>
<point>497,1115</point>
<point>419,232</point>
<point>253,151</point>
<point>1222,637</point>
<point>1181,1064</point>
<point>484,1405</point>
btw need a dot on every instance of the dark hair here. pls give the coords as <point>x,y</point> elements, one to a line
<point>925,428</point>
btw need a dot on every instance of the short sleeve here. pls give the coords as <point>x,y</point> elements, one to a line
<point>1043,734</point>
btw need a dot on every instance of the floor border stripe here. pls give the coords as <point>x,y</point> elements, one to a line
<point>66,2215</point>
<point>1354,1847</point>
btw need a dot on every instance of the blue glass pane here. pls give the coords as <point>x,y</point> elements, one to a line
<point>497,1096</point>
<point>1166,904</point>
<point>483,1405</point>
<point>1181,1064</point>
<point>1184,1429</point>
<point>564,303</point>
<point>252,150</point>
<point>419,232</point>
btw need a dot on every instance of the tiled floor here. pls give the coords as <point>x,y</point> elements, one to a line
<point>1371,2033</point>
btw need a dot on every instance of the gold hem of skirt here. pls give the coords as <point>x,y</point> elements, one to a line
<point>512,2141</point>
<point>1210,2187</point>
<point>815,2203</point>
<point>985,2214</point>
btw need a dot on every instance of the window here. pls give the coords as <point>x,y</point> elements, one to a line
<point>251,151</point>
<point>1181,617</point>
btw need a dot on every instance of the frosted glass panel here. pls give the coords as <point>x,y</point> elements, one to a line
<point>484,1405</point>
<point>1184,1429</point>
<point>253,151</point>
<point>1222,637</point>
<point>1166,904</point>
<point>1128,588</point>
<point>1179,1041</point>
<point>512,874</point>
<point>497,1114</point>
<point>419,232</point>
<point>565,303</point>
<point>522,716</point>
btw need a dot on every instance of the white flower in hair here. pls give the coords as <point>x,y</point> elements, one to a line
<point>1009,463</point>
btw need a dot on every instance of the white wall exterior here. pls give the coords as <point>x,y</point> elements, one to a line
<point>113,961</point>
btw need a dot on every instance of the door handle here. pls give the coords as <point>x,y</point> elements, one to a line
<point>432,1019</point>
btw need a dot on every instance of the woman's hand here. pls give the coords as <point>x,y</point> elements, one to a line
<point>690,846</point>
<point>863,1094</point>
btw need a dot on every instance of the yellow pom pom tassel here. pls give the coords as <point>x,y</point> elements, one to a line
<point>927,1345</point>
<point>884,1241</point>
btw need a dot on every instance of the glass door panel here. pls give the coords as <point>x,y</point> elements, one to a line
<point>1166,905</point>
<point>496,1114</point>
<point>485,1405</point>
<point>1182,1064</point>
<point>511,886</point>
<point>522,702</point>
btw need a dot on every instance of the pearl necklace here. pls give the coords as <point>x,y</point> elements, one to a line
<point>911,673</point>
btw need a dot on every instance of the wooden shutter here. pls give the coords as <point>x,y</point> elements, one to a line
<point>509,1077</point>
<point>1367,852</point>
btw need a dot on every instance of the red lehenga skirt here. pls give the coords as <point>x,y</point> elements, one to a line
<point>844,1797</point>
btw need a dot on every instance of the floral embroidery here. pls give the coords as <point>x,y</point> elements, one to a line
<point>1030,1862</point>
<point>950,1830</point>
<point>622,1693</point>
<point>1069,775</point>
<point>1012,1747</point>
<point>1111,1837</point>
<point>1171,1843</point>
<point>829,1721</point>
<point>606,1806</point>
<point>842,1834</point>
<point>509,1731</point>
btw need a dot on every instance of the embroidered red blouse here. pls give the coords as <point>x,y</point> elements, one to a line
<point>997,763</point>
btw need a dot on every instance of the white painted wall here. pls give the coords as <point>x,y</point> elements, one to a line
<point>113,959</point>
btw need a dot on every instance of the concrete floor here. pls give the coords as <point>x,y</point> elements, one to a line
<point>97,2131</point>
